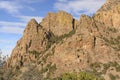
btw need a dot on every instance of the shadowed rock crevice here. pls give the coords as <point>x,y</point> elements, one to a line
<point>73,24</point>
<point>94,41</point>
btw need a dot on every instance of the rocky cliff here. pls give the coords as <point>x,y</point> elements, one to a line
<point>61,44</point>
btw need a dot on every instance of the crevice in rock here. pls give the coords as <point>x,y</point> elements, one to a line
<point>94,41</point>
<point>73,24</point>
<point>21,61</point>
<point>26,48</point>
<point>30,43</point>
<point>95,25</point>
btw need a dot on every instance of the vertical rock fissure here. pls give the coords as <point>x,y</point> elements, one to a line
<point>94,41</point>
<point>73,23</point>
<point>30,43</point>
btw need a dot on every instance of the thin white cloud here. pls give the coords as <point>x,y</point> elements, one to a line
<point>62,0</point>
<point>31,1</point>
<point>11,27</point>
<point>28,18</point>
<point>5,23</point>
<point>15,6</point>
<point>10,6</point>
<point>78,7</point>
<point>9,40</point>
<point>4,41</point>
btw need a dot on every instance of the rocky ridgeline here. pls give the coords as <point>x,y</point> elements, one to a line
<point>61,44</point>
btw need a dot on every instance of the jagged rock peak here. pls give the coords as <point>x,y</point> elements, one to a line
<point>32,26</point>
<point>84,16</point>
<point>33,22</point>
<point>59,23</point>
<point>61,12</point>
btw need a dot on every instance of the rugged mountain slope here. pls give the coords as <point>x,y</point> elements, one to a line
<point>60,44</point>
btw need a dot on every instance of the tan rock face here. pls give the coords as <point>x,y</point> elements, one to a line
<point>61,44</point>
<point>59,23</point>
<point>34,40</point>
<point>109,14</point>
<point>35,37</point>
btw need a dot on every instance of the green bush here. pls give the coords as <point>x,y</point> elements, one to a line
<point>81,76</point>
<point>69,76</point>
<point>113,42</point>
<point>56,39</point>
<point>112,77</point>
<point>95,65</point>
<point>112,64</point>
<point>34,53</point>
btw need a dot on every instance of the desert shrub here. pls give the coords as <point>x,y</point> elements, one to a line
<point>88,76</point>
<point>81,76</point>
<point>114,30</point>
<point>56,39</point>
<point>111,64</point>
<point>113,42</point>
<point>116,65</point>
<point>112,77</point>
<point>95,65</point>
<point>69,76</point>
<point>34,53</point>
<point>52,68</point>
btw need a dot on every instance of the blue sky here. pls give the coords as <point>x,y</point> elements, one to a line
<point>14,15</point>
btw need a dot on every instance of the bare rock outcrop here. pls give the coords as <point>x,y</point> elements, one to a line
<point>59,23</point>
<point>60,44</point>
<point>34,40</point>
<point>109,14</point>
